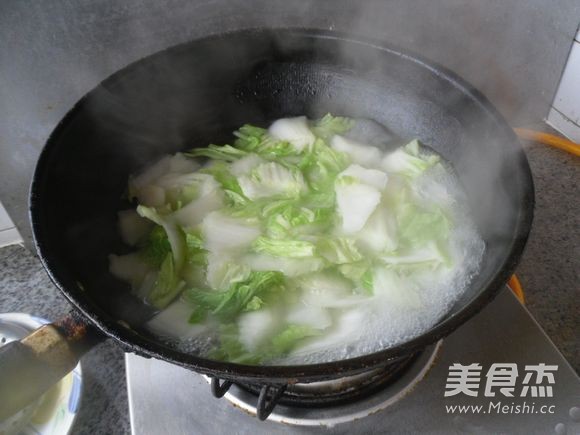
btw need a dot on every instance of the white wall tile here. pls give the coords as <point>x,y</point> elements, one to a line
<point>8,233</point>
<point>565,113</point>
<point>564,125</point>
<point>567,100</point>
<point>10,236</point>
<point>5,221</point>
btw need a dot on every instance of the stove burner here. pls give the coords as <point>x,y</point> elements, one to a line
<point>341,400</point>
<point>338,391</point>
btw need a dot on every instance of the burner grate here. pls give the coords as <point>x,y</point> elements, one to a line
<point>338,391</point>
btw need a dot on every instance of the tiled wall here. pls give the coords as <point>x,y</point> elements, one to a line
<point>8,232</point>
<point>564,115</point>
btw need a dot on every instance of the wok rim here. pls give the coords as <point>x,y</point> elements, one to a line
<point>133,342</point>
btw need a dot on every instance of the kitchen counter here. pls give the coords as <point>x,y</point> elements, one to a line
<point>549,273</point>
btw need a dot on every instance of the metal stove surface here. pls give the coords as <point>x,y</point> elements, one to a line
<point>166,399</point>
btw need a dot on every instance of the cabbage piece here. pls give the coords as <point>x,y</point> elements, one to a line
<point>197,210</point>
<point>371,177</point>
<point>329,125</point>
<point>338,250</point>
<point>131,268</point>
<point>272,179</point>
<point>293,130</point>
<point>174,234</point>
<point>390,288</point>
<point>167,286</point>
<point>314,317</point>
<point>156,247</point>
<point>151,196</point>
<point>256,327</point>
<point>359,153</point>
<point>181,189</point>
<point>347,328</point>
<point>246,164</point>
<point>229,183</point>
<point>193,271</point>
<point>289,339</point>
<point>240,296</point>
<point>326,290</point>
<point>172,322</point>
<point>429,255</point>
<point>133,227</point>
<point>407,161</point>
<point>224,233</point>
<point>146,285</point>
<point>288,219</point>
<point>180,164</point>
<point>283,248</point>
<point>357,195</point>
<point>355,271</point>
<point>223,272</point>
<point>145,185</point>
<point>149,175</point>
<point>418,226</point>
<point>355,203</point>
<point>322,165</point>
<point>231,348</point>
<point>290,267</point>
<point>257,140</point>
<point>217,152</point>
<point>379,232</point>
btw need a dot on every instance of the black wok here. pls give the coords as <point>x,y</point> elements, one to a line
<point>198,93</point>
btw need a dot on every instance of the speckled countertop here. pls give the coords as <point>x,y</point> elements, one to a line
<point>549,273</point>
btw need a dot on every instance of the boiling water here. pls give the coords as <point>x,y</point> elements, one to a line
<point>380,320</point>
<point>377,324</point>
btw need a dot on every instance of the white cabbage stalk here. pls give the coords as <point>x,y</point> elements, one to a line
<point>379,233</point>
<point>133,228</point>
<point>195,212</point>
<point>328,290</point>
<point>371,177</point>
<point>223,271</point>
<point>288,266</point>
<point>355,203</point>
<point>272,179</point>
<point>222,233</point>
<point>130,268</point>
<point>173,322</point>
<point>246,164</point>
<point>391,289</point>
<point>293,130</point>
<point>256,327</point>
<point>150,185</point>
<point>314,317</point>
<point>359,153</point>
<point>347,329</point>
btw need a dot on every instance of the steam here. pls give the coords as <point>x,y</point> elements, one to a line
<point>142,132</point>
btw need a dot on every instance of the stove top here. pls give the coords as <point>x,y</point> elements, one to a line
<point>502,341</point>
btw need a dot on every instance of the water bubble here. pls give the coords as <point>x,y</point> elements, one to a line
<point>560,429</point>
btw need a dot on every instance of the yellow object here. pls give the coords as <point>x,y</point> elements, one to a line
<point>515,286</point>
<point>549,139</point>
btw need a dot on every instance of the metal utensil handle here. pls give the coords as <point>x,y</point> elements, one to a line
<point>29,367</point>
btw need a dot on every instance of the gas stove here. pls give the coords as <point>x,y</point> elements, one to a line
<point>423,397</point>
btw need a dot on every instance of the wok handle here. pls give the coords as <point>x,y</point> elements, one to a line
<point>29,367</point>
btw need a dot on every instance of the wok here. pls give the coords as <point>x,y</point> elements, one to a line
<point>198,93</point>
